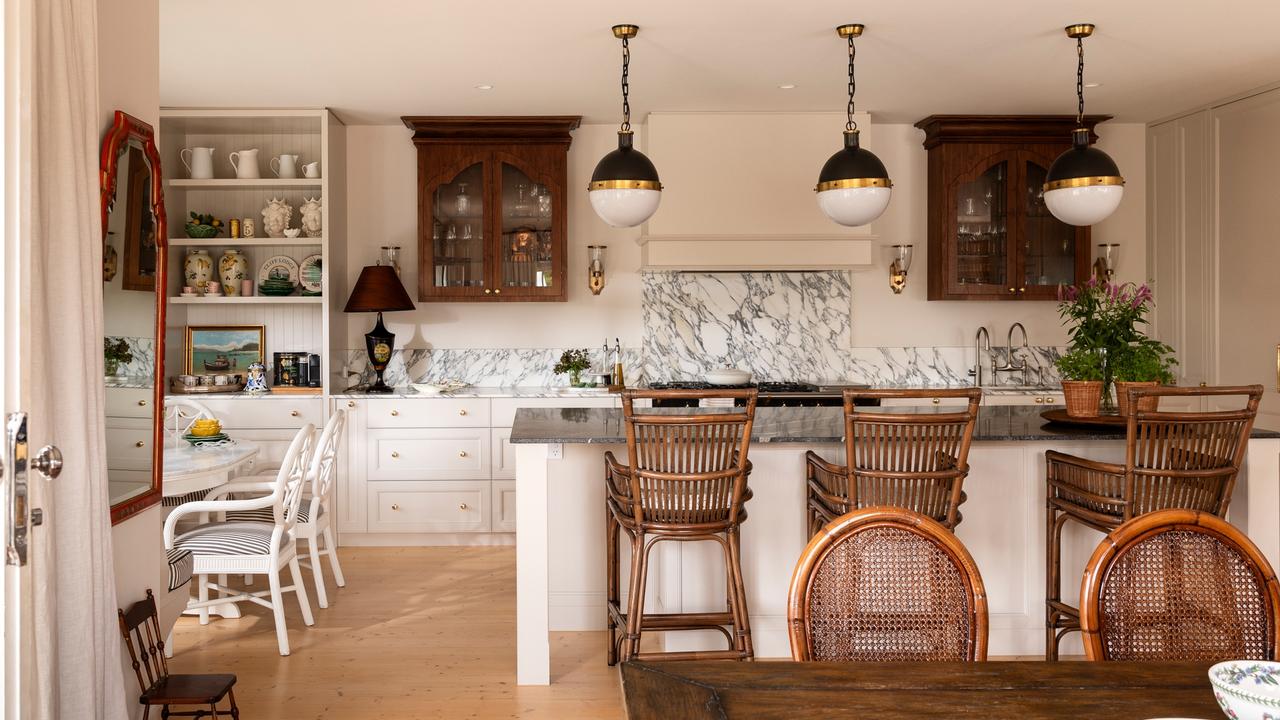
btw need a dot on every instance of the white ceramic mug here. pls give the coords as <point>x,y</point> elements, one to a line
<point>200,166</point>
<point>246,163</point>
<point>311,170</point>
<point>285,166</point>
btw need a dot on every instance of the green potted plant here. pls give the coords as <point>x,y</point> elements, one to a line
<point>115,352</point>
<point>1104,318</point>
<point>1145,363</point>
<point>1081,370</point>
<point>573,362</point>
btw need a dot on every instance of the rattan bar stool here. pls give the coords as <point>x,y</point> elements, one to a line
<point>1179,585</point>
<point>912,458</point>
<point>1182,460</point>
<point>686,480</point>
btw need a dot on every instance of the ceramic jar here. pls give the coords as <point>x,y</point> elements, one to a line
<point>233,268</point>
<point>198,269</point>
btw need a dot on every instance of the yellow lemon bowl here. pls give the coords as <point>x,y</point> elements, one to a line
<point>206,428</point>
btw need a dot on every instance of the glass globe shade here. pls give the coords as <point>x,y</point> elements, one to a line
<point>1084,205</point>
<point>852,207</point>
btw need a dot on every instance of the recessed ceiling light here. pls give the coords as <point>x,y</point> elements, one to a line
<point>787,86</point>
<point>1093,85</point>
<point>484,87</point>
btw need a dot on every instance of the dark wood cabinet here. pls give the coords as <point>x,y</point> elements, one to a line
<point>492,207</point>
<point>990,235</point>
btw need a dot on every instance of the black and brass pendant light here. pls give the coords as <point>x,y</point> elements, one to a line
<point>1083,185</point>
<point>853,187</point>
<point>624,189</point>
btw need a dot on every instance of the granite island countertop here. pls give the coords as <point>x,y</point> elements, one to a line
<point>799,425</point>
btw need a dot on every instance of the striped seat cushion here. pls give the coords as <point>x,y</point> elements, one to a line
<point>227,538</point>
<point>177,500</point>
<point>264,514</point>
<point>180,564</point>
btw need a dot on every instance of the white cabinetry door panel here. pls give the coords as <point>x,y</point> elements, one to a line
<point>290,413</point>
<point>349,491</point>
<point>504,409</point>
<point>426,454</point>
<point>428,412</point>
<point>439,506</point>
<point>1047,399</point>
<point>909,402</point>
<point>272,444</point>
<point>504,455</point>
<point>129,444</point>
<point>504,505</point>
<point>129,402</point>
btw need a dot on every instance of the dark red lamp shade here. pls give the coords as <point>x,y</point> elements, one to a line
<point>378,290</point>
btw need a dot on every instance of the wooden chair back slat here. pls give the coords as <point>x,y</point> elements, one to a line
<point>886,584</point>
<point>1179,585</point>
<point>140,627</point>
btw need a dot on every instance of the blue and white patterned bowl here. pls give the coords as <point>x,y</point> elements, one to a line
<point>1247,689</point>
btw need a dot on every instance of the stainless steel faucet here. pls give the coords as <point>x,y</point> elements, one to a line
<point>979,339</point>
<point>1009,364</point>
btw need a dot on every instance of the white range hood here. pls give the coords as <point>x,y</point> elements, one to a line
<point>738,193</point>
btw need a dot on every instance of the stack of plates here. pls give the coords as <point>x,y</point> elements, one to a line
<point>203,439</point>
<point>276,287</point>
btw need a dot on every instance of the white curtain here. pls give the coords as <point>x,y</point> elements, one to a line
<point>77,641</point>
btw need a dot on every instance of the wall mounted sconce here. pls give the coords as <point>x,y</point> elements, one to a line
<point>595,268</point>
<point>899,267</point>
<point>1105,266</point>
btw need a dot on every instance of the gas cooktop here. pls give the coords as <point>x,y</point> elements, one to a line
<point>773,393</point>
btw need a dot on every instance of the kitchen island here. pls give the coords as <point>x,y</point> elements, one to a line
<point>560,524</point>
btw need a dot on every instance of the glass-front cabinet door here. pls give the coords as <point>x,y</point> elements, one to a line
<point>456,266</point>
<point>1048,246</point>
<point>529,261</point>
<point>980,257</point>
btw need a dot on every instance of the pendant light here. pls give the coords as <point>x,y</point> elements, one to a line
<point>624,188</point>
<point>1083,185</point>
<point>853,187</point>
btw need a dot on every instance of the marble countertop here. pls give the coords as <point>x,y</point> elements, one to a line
<point>481,392</point>
<point>798,425</point>
<point>129,381</point>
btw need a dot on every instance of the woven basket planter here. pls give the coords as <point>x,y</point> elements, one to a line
<point>1146,404</point>
<point>1082,397</point>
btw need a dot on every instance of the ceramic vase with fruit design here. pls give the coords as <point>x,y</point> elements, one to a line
<point>233,268</point>
<point>198,269</point>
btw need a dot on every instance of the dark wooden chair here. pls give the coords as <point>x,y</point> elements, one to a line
<point>1186,460</point>
<point>141,624</point>
<point>686,480</point>
<point>913,458</point>
<point>886,584</point>
<point>1179,585</point>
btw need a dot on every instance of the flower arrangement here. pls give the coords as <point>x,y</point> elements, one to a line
<point>115,352</point>
<point>573,362</point>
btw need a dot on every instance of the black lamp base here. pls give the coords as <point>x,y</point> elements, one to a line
<point>378,343</point>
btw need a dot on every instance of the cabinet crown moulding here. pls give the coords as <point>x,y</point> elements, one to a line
<point>940,129</point>
<point>491,128</point>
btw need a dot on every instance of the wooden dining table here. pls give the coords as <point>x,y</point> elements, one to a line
<point>777,689</point>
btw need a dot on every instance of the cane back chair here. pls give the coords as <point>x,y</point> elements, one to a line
<point>1173,460</point>
<point>685,480</point>
<point>912,458</point>
<point>1179,585</point>
<point>886,584</point>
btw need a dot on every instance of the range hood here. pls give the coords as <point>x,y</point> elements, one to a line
<point>738,193</point>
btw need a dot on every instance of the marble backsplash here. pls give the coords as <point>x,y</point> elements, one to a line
<point>497,367</point>
<point>143,364</point>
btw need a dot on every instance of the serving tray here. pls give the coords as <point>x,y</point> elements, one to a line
<point>1060,416</point>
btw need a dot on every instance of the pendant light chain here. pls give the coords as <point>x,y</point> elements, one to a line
<point>626,86</point>
<point>1080,82</point>
<point>850,125</point>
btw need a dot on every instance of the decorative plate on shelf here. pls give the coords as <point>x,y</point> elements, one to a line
<point>279,267</point>
<point>312,274</point>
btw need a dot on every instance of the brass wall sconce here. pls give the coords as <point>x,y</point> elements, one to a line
<point>899,267</point>
<point>1104,268</point>
<point>595,268</point>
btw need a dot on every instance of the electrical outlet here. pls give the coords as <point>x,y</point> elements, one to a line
<point>555,451</point>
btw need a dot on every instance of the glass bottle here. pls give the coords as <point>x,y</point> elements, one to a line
<point>391,256</point>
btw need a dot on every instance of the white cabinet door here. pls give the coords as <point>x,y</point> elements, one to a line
<point>417,507</point>
<point>428,454</point>
<point>504,455</point>
<point>504,505</point>
<point>349,491</point>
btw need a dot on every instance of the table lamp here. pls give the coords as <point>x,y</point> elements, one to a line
<point>379,290</point>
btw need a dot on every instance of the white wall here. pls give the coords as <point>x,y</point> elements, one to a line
<point>383,210</point>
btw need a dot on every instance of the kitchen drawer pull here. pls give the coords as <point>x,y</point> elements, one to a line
<point>1040,400</point>
<point>142,403</point>
<point>139,444</point>
<point>395,413</point>
<point>497,291</point>
<point>937,401</point>
<point>293,413</point>
<point>395,506</point>
<point>488,291</point>
<point>394,455</point>
<point>462,411</point>
<point>462,453</point>
<point>351,403</point>
<point>1022,289</point>
<point>1012,289</point>
<point>462,506</point>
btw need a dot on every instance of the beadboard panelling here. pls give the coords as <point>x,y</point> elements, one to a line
<point>290,328</point>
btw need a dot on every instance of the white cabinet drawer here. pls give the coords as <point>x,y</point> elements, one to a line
<point>130,402</point>
<point>428,412</point>
<point>266,412</point>
<point>504,455</point>
<point>129,444</point>
<point>1048,399</point>
<point>504,409</point>
<point>504,505</point>
<point>925,401</point>
<point>427,454</point>
<point>409,507</point>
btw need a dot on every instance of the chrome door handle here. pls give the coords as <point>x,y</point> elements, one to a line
<point>48,462</point>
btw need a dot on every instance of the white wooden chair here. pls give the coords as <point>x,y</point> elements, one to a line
<point>250,548</point>
<point>316,513</point>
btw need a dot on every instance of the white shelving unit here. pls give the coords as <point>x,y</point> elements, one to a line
<point>292,323</point>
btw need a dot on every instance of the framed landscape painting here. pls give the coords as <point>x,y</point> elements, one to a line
<point>223,349</point>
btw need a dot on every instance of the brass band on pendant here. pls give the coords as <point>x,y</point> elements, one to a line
<point>1079,30</point>
<point>625,185</point>
<point>849,183</point>
<point>1079,182</point>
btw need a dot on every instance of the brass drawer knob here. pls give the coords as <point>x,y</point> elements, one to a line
<point>1204,384</point>
<point>1012,289</point>
<point>462,453</point>
<point>1040,400</point>
<point>937,401</point>
<point>394,455</point>
<point>395,506</point>
<point>139,444</point>
<point>394,413</point>
<point>351,403</point>
<point>462,411</point>
<point>293,413</point>
<point>488,291</point>
<point>1022,289</point>
<point>142,403</point>
<point>462,506</point>
<point>497,291</point>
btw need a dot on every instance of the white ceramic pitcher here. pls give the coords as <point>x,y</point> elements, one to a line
<point>311,170</point>
<point>285,166</point>
<point>200,166</point>
<point>246,163</point>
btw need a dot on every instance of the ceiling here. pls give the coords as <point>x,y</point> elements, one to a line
<point>375,60</point>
